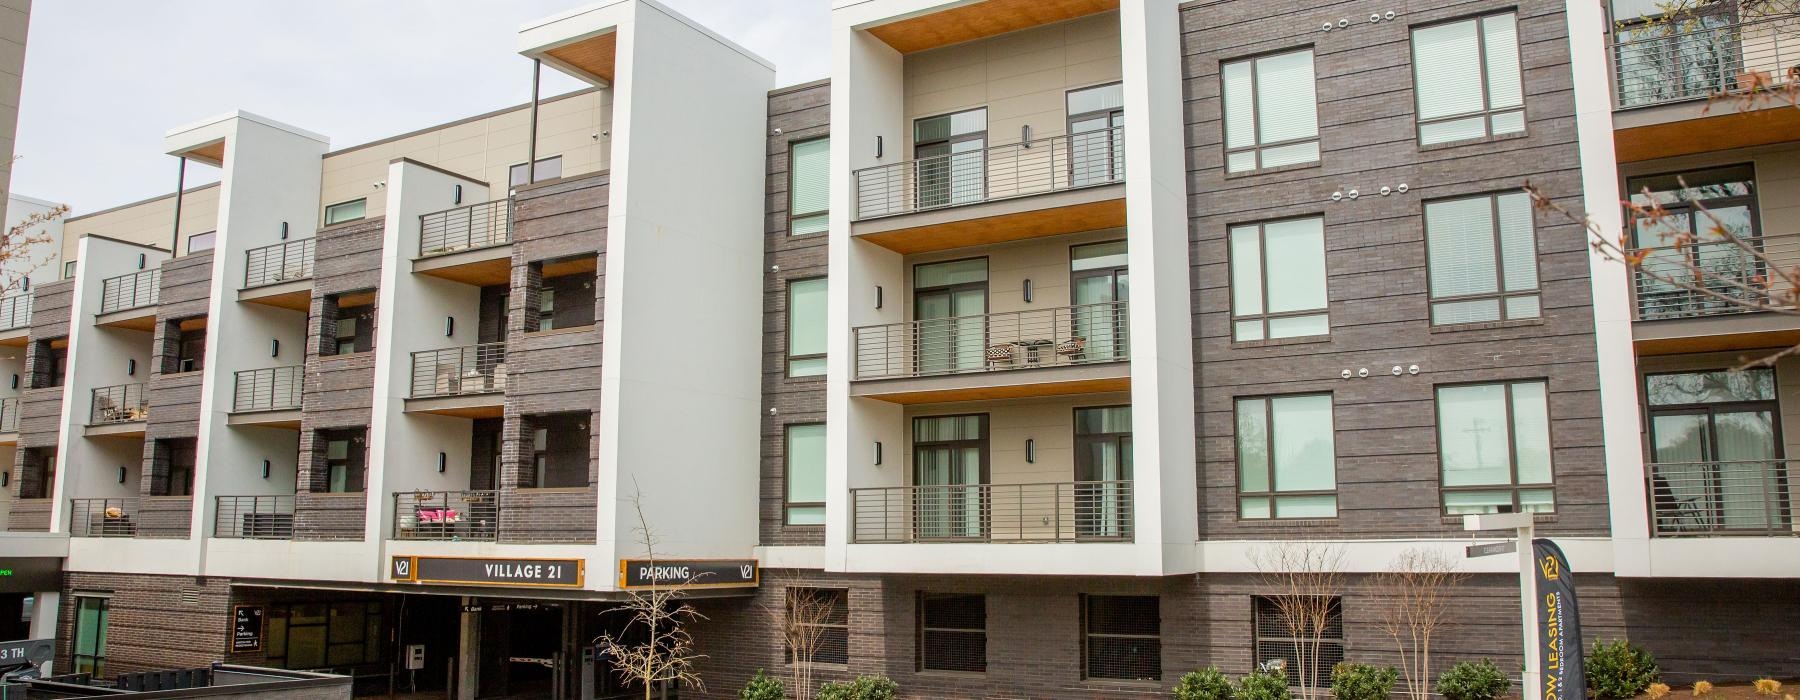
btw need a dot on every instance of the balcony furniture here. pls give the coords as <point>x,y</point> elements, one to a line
<point>1000,354</point>
<point>1072,347</point>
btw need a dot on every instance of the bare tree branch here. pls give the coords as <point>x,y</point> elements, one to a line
<point>665,654</point>
<point>18,241</point>
<point>1305,579</point>
<point>1420,584</point>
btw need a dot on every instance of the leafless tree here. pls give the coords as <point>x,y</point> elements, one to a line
<point>1303,580</point>
<point>802,621</point>
<point>17,242</point>
<point>1419,585</point>
<point>665,654</point>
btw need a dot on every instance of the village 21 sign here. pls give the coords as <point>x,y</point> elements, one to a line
<point>1559,625</point>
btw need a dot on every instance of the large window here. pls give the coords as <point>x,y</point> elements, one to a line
<point>1284,636</point>
<point>1287,457</point>
<point>545,169</point>
<point>559,450</point>
<point>805,500</point>
<point>806,327</point>
<point>809,187</point>
<point>1103,472</point>
<point>1483,259</point>
<point>202,241</point>
<point>947,150</point>
<point>346,454</point>
<point>88,649</point>
<point>952,632</point>
<point>1663,59</point>
<point>1467,78</point>
<point>820,619</point>
<point>190,349</point>
<point>1278,280</point>
<point>345,211</point>
<point>1716,453</point>
<point>1121,637</point>
<point>1494,448</point>
<point>1096,139</point>
<point>352,329</point>
<point>325,635</point>
<point>567,292</point>
<point>1691,241</point>
<point>1271,111</point>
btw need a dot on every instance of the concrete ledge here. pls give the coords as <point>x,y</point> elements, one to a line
<point>1028,382</point>
<point>1015,218</point>
<point>284,418</point>
<point>142,318</point>
<point>123,429</point>
<point>292,294</point>
<point>486,405</point>
<point>16,337</point>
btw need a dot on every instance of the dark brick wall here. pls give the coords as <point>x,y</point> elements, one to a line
<point>339,390</point>
<point>1387,467</point>
<point>801,113</point>
<point>186,286</point>
<point>150,626</point>
<point>50,309</point>
<point>28,515</point>
<point>165,516</point>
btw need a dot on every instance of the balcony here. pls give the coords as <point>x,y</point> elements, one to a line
<point>1041,352</point>
<point>129,301</point>
<point>254,517</point>
<point>1666,73</point>
<point>9,420</point>
<point>1076,511</point>
<point>447,515</point>
<point>119,410</point>
<point>1722,499</point>
<point>1720,312</point>
<point>103,517</point>
<point>467,244</point>
<point>269,396</point>
<point>1030,189</point>
<point>15,319</point>
<point>280,275</point>
<point>468,382</point>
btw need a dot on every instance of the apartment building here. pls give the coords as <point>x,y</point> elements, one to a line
<point>1063,317</point>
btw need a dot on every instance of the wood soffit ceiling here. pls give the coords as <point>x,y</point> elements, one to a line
<point>982,19</point>
<point>593,55</point>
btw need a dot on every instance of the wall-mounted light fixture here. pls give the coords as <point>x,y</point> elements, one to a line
<point>877,146</point>
<point>1028,290</point>
<point>443,462</point>
<point>878,453</point>
<point>1025,135</point>
<point>456,194</point>
<point>274,347</point>
<point>449,326</point>
<point>15,382</point>
<point>878,296</point>
<point>284,230</point>
<point>5,479</point>
<point>265,469</point>
<point>141,261</point>
<point>131,367</point>
<point>25,284</point>
<point>121,473</point>
<point>1030,451</point>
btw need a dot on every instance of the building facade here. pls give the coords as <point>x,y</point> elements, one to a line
<point>1063,324</point>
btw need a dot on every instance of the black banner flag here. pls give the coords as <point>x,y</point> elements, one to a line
<point>1559,625</point>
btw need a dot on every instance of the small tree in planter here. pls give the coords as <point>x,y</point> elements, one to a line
<point>1420,582</point>
<point>1305,580</point>
<point>1473,680</point>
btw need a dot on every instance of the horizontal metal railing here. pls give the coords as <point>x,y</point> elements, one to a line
<point>446,515</point>
<point>1695,58</point>
<point>268,389</point>
<point>9,415</point>
<point>282,262</point>
<point>997,172</point>
<point>465,228</point>
<point>123,403</point>
<point>15,311</point>
<point>254,517</point>
<point>1068,511</point>
<point>103,517</point>
<point>1694,499</point>
<point>1729,274</point>
<point>474,369</point>
<point>1064,335</point>
<point>133,291</point>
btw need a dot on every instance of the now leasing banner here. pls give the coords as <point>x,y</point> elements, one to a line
<point>1559,625</point>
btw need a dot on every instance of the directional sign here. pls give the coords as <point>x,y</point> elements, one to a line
<point>689,573</point>
<point>26,651</point>
<point>246,628</point>
<point>1492,548</point>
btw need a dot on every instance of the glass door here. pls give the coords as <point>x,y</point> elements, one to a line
<point>1103,472</point>
<point>950,474</point>
<point>949,153</point>
<point>950,310</point>
<point>1096,136</point>
<point>1692,249</point>
<point>1101,286</point>
<point>1716,455</point>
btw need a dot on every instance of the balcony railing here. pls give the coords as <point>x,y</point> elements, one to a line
<point>268,389</point>
<point>124,403</point>
<point>1727,272</point>
<point>1066,335</point>
<point>475,369</point>
<point>993,173</point>
<point>1699,499</point>
<point>1073,511</point>
<point>15,311</point>
<point>133,291</point>
<point>1695,58</point>
<point>254,517</point>
<point>282,262</point>
<point>447,515</point>
<point>465,228</point>
<point>9,415</point>
<point>103,517</point>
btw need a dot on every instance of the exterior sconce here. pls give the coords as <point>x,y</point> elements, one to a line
<point>121,473</point>
<point>5,479</point>
<point>284,230</point>
<point>878,453</point>
<point>1030,451</point>
<point>141,261</point>
<point>265,469</point>
<point>443,462</point>
<point>878,296</point>
<point>1027,290</point>
<point>878,146</point>
<point>456,194</point>
<point>15,383</point>
<point>1025,136</point>
<point>274,347</point>
<point>25,284</point>
<point>449,326</point>
<point>131,367</point>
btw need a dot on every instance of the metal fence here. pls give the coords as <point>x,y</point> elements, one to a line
<point>9,415</point>
<point>103,517</point>
<point>123,403</point>
<point>1752,497</point>
<point>15,311</point>
<point>474,369</point>
<point>1065,335</point>
<point>996,172</point>
<point>465,228</point>
<point>254,517</point>
<point>447,515</point>
<point>1701,56</point>
<point>282,262</point>
<point>1070,511</point>
<point>268,389</point>
<point>133,291</point>
<point>1725,278</point>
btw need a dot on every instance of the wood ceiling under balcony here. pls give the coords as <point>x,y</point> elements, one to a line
<point>982,19</point>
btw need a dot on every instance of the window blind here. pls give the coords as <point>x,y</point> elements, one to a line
<point>806,474</point>
<point>1271,111</point>
<point>1277,275</point>
<point>1468,80</point>
<point>1482,258</point>
<point>809,193</point>
<point>806,327</point>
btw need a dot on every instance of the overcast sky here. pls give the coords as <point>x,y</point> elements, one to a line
<point>105,78</point>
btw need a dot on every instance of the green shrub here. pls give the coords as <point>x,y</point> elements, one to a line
<point>763,687</point>
<point>1620,670</point>
<point>1262,685</point>
<point>1473,680</point>
<point>863,688</point>
<point>1362,682</point>
<point>1205,684</point>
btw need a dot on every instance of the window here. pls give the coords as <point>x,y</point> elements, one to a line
<point>52,364</point>
<point>345,455</point>
<point>809,187</point>
<point>1494,448</point>
<point>1271,111</point>
<point>805,501</point>
<point>1100,289</point>
<point>1287,457</point>
<point>190,348</point>
<point>1715,453</point>
<point>1664,59</point>
<point>1684,241</point>
<point>1278,280</point>
<point>806,327</point>
<point>202,241</point>
<point>89,646</point>
<point>952,632</point>
<point>1482,254</point>
<point>947,150</point>
<point>559,450</point>
<point>345,211</point>
<point>1466,74</point>
<point>69,270</point>
<point>321,635</point>
<point>177,458</point>
<point>546,169</point>
<point>820,621</point>
<point>566,294</point>
<point>37,474</point>
<point>1121,637</point>
<point>1096,134</point>
<point>353,328</point>
<point>1103,472</point>
<point>1285,636</point>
